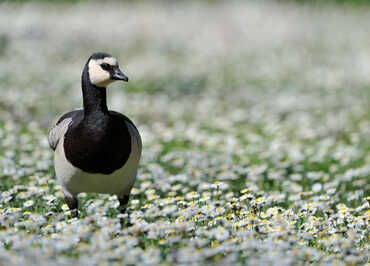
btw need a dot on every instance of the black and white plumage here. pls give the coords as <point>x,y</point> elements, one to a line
<point>96,150</point>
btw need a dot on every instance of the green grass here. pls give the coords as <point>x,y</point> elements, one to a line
<point>255,133</point>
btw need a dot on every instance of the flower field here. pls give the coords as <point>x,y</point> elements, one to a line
<point>255,120</point>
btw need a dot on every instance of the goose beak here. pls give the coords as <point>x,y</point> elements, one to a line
<point>118,75</point>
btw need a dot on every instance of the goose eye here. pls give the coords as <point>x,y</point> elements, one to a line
<point>105,66</point>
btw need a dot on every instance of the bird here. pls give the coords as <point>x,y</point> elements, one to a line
<point>96,150</point>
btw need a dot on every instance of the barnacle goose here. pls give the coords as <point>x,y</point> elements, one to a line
<point>95,149</point>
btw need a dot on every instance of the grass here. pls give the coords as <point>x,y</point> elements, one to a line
<point>255,134</point>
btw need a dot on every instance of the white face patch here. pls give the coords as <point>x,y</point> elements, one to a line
<point>109,60</point>
<point>99,76</point>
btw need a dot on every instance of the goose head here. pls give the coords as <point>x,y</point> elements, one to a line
<point>103,69</point>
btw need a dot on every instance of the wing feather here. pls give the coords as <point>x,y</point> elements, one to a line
<point>57,131</point>
<point>61,127</point>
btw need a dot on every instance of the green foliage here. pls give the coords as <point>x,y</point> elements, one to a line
<point>255,133</point>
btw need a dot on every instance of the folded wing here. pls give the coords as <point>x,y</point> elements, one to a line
<point>61,127</point>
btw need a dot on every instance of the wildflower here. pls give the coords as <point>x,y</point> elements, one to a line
<point>316,187</point>
<point>28,203</point>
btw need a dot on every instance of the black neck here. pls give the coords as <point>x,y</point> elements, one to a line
<point>94,98</point>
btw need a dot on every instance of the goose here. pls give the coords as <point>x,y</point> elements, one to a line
<point>96,150</point>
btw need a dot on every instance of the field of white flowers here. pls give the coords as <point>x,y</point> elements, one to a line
<point>255,121</point>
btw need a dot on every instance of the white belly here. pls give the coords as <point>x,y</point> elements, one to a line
<point>120,182</point>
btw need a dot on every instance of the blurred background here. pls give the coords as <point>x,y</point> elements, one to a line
<point>235,100</point>
<point>194,62</point>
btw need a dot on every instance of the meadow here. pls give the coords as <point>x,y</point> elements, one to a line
<point>255,120</point>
